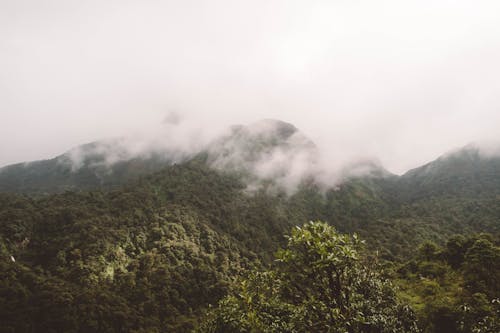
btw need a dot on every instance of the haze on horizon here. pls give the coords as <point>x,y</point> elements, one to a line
<point>401,81</point>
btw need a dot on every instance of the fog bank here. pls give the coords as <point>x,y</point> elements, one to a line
<point>401,82</point>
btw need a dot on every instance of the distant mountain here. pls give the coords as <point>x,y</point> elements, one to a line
<point>247,145</point>
<point>458,192</point>
<point>103,164</point>
<point>265,149</point>
<point>466,172</point>
<point>266,153</point>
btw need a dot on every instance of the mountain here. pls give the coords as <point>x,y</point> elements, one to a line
<point>458,192</point>
<point>245,146</point>
<point>146,242</point>
<point>103,164</point>
<point>260,150</point>
<point>466,172</point>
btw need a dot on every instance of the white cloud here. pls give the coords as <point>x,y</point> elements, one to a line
<point>400,80</point>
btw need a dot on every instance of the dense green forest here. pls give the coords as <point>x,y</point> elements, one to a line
<point>154,254</point>
<point>321,283</point>
<point>180,247</point>
<point>454,287</point>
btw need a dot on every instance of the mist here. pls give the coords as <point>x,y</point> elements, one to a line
<point>396,82</point>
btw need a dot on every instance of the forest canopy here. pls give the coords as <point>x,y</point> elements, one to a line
<point>321,283</point>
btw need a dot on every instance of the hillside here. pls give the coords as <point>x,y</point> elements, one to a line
<point>457,193</point>
<point>104,165</point>
<point>466,172</point>
<point>154,241</point>
<point>263,149</point>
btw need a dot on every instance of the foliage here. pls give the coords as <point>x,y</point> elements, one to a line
<point>455,288</point>
<point>320,284</point>
<point>159,250</point>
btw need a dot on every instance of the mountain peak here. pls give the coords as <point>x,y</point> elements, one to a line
<point>278,127</point>
<point>470,170</point>
<point>264,135</point>
<point>271,131</point>
<point>265,150</point>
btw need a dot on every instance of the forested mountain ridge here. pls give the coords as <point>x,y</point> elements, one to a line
<point>111,163</point>
<point>98,165</point>
<point>466,172</point>
<point>152,252</point>
<point>458,192</point>
<point>267,147</point>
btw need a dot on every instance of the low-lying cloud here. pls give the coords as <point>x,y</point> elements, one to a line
<point>362,79</point>
<point>267,154</point>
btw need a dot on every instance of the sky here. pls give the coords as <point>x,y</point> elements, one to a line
<point>399,81</point>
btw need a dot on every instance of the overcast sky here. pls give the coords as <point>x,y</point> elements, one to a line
<point>403,81</point>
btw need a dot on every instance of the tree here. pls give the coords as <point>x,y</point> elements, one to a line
<point>482,268</point>
<point>321,283</point>
<point>455,250</point>
<point>480,315</point>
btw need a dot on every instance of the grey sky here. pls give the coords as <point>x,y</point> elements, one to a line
<point>403,81</point>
